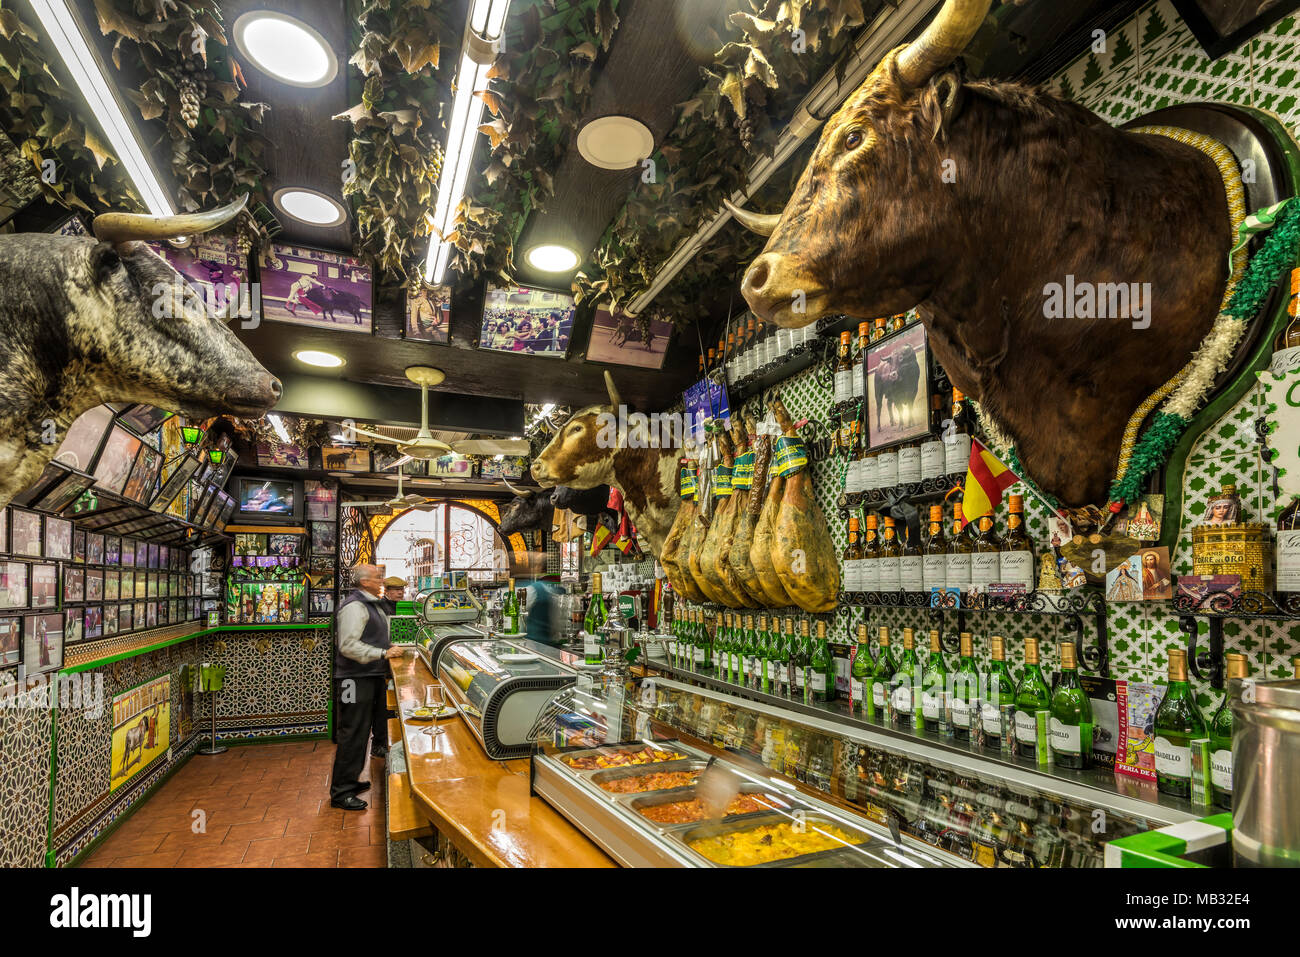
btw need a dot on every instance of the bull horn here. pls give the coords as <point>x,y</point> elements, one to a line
<point>124,227</point>
<point>762,223</point>
<point>614,400</point>
<point>943,40</point>
<point>522,493</point>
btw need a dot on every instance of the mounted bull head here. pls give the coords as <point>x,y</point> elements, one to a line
<point>580,456</point>
<point>526,511</point>
<point>86,322</point>
<point>969,201</point>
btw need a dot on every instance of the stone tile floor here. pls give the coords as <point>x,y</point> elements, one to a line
<point>263,805</point>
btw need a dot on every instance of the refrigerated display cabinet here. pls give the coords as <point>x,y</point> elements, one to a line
<point>927,805</point>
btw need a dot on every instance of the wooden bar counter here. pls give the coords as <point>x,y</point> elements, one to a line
<point>482,806</point>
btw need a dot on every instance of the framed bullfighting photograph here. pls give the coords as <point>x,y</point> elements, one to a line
<point>216,270</point>
<point>314,287</point>
<point>345,458</point>
<point>43,643</point>
<point>624,340</point>
<point>83,438</point>
<point>535,322</point>
<point>428,313</point>
<point>11,641</point>
<point>898,389</point>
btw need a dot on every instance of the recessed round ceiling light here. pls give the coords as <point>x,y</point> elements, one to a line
<point>285,48</point>
<point>615,142</point>
<point>551,258</point>
<point>313,357</point>
<point>309,206</point>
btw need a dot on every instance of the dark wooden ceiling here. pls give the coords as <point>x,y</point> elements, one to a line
<point>652,64</point>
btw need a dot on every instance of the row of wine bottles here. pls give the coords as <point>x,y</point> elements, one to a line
<point>991,709</point>
<point>975,555</point>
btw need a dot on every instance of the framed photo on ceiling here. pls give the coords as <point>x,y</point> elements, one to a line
<point>84,437</point>
<point>345,458</point>
<point>428,313</point>
<point>58,538</point>
<point>623,340</point>
<point>1221,26</point>
<point>43,643</point>
<point>143,419</point>
<point>280,456</point>
<point>60,495</point>
<point>25,533</point>
<point>215,268</point>
<point>116,460</point>
<point>898,388</point>
<point>525,321</point>
<point>144,476</point>
<point>314,287</point>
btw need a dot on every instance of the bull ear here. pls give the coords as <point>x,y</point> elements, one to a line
<point>104,262</point>
<point>948,87</point>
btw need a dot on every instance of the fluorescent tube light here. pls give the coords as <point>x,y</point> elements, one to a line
<point>61,25</point>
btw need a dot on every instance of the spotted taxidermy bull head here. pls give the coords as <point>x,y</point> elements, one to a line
<point>969,200</point>
<point>86,321</point>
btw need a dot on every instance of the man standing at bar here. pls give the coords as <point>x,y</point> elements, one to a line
<point>360,682</point>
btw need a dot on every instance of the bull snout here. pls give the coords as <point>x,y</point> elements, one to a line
<point>540,474</point>
<point>276,388</point>
<point>777,295</point>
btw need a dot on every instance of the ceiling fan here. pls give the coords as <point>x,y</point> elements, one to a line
<point>424,446</point>
<point>410,500</point>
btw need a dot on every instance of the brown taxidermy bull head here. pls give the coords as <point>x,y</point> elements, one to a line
<point>587,452</point>
<point>970,201</point>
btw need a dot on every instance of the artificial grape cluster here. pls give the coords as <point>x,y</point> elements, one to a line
<point>747,128</point>
<point>192,87</point>
<point>245,236</point>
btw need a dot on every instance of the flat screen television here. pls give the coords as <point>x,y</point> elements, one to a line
<point>273,500</point>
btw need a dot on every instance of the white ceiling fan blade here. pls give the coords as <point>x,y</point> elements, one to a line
<point>492,447</point>
<point>399,463</point>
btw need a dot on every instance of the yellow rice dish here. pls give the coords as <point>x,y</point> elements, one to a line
<point>774,842</point>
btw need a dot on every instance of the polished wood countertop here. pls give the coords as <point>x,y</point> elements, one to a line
<point>483,806</point>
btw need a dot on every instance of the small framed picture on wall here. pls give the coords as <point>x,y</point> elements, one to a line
<point>324,539</point>
<point>79,545</point>
<point>13,584</point>
<point>94,584</point>
<point>94,622</point>
<point>112,550</point>
<point>110,620</point>
<point>74,584</point>
<point>45,585</point>
<point>94,548</point>
<point>112,584</point>
<point>58,538</point>
<point>11,642</point>
<point>72,625</point>
<point>124,620</point>
<point>43,643</point>
<point>25,531</point>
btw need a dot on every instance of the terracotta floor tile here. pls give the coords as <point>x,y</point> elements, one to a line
<point>186,839</point>
<point>301,807</point>
<point>256,831</point>
<point>313,823</point>
<point>351,837</point>
<point>240,815</point>
<point>372,855</point>
<point>208,856</point>
<point>122,845</point>
<point>328,858</point>
<point>263,852</point>
<point>161,859</point>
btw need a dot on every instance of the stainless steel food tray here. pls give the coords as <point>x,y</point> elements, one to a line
<point>671,745</point>
<point>683,834</point>
<point>601,775</point>
<point>635,802</point>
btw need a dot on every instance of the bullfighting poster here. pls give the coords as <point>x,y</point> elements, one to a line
<point>141,729</point>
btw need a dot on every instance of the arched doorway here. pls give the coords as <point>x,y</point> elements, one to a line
<point>420,544</point>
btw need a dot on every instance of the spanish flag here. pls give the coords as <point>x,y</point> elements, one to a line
<point>986,479</point>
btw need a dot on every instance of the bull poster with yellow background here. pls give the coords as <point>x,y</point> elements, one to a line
<point>141,729</point>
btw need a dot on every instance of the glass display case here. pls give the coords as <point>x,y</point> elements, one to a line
<point>499,686</point>
<point>610,758</point>
<point>954,806</point>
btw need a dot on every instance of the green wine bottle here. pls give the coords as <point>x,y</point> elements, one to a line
<point>999,692</point>
<point>1178,722</point>
<point>725,649</point>
<point>1221,734</point>
<point>860,674</point>
<point>1069,731</point>
<point>804,673</point>
<point>902,683</point>
<point>510,612</point>
<point>593,653</point>
<point>821,675</point>
<point>764,656</point>
<point>965,689</point>
<point>1032,696</point>
<point>880,677</point>
<point>934,687</point>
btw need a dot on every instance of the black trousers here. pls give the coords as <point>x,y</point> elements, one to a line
<point>354,720</point>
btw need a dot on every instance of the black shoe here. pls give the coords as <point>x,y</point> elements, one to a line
<point>350,803</point>
<point>363,786</point>
<point>379,752</point>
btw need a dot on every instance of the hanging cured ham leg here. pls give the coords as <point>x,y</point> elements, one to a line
<point>675,551</point>
<point>802,551</point>
<point>747,515</point>
<point>736,506</point>
<point>720,528</point>
<point>760,553</point>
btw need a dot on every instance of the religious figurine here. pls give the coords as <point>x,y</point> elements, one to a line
<point>1049,579</point>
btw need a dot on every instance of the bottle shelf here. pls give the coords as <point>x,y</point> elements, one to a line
<point>1079,601</point>
<point>801,357</point>
<point>931,488</point>
<point>1251,604</point>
